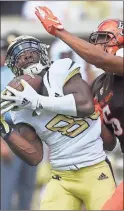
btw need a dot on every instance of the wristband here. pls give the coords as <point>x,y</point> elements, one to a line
<point>65,105</point>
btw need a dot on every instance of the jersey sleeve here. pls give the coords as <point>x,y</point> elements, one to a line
<point>97,84</point>
<point>62,71</point>
<point>73,70</point>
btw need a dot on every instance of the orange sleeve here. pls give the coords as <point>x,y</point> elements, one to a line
<point>98,108</point>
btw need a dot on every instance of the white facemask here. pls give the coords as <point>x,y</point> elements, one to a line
<point>34,69</point>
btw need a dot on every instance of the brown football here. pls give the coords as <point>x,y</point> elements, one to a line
<point>34,81</point>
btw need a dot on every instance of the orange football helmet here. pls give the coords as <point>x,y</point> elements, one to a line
<point>110,33</point>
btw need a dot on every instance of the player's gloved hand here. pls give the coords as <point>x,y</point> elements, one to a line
<point>6,105</point>
<point>5,129</point>
<point>28,98</point>
<point>49,21</point>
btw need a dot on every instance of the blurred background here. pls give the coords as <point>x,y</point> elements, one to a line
<point>22,186</point>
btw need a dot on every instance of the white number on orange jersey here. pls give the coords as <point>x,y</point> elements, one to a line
<point>113,121</point>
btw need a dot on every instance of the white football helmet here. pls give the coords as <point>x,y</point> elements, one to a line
<point>27,55</point>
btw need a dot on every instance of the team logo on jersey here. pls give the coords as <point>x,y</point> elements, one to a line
<point>57,95</point>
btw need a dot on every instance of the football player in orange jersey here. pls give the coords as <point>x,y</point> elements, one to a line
<point>106,42</point>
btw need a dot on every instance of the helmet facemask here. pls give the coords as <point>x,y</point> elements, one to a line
<point>105,38</point>
<point>109,34</point>
<point>28,56</point>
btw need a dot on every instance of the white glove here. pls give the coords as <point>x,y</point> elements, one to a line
<point>28,98</point>
<point>6,106</point>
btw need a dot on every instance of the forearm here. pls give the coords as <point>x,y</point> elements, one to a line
<point>109,140</point>
<point>85,107</point>
<point>84,49</point>
<point>21,147</point>
<point>91,54</point>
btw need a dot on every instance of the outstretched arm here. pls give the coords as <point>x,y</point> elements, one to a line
<point>92,55</point>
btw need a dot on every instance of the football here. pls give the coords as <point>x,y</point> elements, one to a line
<point>34,80</point>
